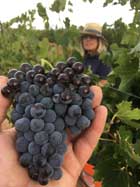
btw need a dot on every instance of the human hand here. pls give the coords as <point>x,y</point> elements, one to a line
<point>78,152</point>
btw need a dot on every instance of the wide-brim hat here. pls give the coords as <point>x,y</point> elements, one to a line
<point>93,29</point>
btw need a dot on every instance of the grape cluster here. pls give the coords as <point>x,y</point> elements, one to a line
<point>44,106</point>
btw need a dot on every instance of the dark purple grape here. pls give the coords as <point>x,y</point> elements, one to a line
<point>24,86</point>
<point>33,148</point>
<point>56,98</point>
<point>56,160</point>
<point>29,135</point>
<point>50,81</point>
<point>49,128</point>
<point>38,110</point>
<point>27,111</point>
<point>34,90</point>
<point>20,76</point>
<point>47,102</point>
<point>75,130</point>
<point>19,109</point>
<point>11,73</point>
<point>83,122</point>
<point>30,75</point>
<point>49,74</point>
<point>7,92</point>
<point>47,149</point>
<point>25,159</point>
<point>76,99</point>
<point>42,180</point>
<point>33,172</point>
<point>21,144</point>
<point>25,67</point>
<point>41,137</point>
<point>15,116</point>
<point>38,69</point>
<point>13,83</point>
<point>89,113</point>
<point>37,125</point>
<point>70,121</point>
<point>84,90</point>
<point>58,88</point>
<point>56,138</point>
<point>60,66</point>
<point>63,78</point>
<point>72,88</point>
<point>46,90</point>
<point>50,116</point>
<point>90,95</point>
<point>78,67</point>
<point>70,61</point>
<point>76,80</point>
<point>55,72</point>
<point>87,104</point>
<point>74,111</point>
<point>26,99</point>
<point>57,174</point>
<point>61,149</point>
<point>39,160</point>
<point>69,71</point>
<point>86,79</point>
<point>22,124</point>
<point>49,170</point>
<point>39,79</point>
<point>39,98</point>
<point>59,124</point>
<point>60,109</point>
<point>66,97</point>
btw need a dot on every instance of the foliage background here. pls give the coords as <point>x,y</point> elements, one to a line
<point>117,156</point>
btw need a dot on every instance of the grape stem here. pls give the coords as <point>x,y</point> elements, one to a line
<point>46,62</point>
<point>108,140</point>
<point>113,118</point>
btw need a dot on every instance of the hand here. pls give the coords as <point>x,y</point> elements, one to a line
<point>78,153</point>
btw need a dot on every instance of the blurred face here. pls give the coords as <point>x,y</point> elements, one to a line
<point>90,43</point>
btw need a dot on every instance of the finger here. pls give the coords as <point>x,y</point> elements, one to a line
<point>98,95</point>
<point>4,103</point>
<point>11,133</point>
<point>86,143</point>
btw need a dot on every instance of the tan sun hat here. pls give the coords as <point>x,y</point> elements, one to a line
<point>93,29</point>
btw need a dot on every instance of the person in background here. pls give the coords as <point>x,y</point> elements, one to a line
<point>78,152</point>
<point>93,43</point>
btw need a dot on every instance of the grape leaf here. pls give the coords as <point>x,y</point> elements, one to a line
<point>137,146</point>
<point>111,168</point>
<point>125,111</point>
<point>132,123</point>
<point>135,4</point>
<point>136,48</point>
<point>126,144</point>
<point>58,5</point>
<point>131,37</point>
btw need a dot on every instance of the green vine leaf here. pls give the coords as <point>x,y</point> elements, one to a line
<point>127,115</point>
<point>125,111</point>
<point>136,49</point>
<point>126,144</point>
<point>58,5</point>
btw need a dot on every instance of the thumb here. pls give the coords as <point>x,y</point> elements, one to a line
<point>4,102</point>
